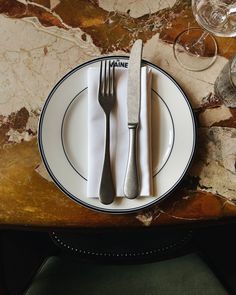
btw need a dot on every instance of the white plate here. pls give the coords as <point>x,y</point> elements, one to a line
<point>62,136</point>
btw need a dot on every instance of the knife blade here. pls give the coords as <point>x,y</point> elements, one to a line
<point>131,183</point>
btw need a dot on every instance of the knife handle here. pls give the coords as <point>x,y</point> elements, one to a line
<point>131,184</point>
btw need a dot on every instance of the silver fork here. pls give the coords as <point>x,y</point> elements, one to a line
<point>106,98</point>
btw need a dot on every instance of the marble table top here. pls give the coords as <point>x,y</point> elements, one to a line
<point>40,41</point>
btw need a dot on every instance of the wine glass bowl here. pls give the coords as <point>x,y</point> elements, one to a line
<point>217,17</point>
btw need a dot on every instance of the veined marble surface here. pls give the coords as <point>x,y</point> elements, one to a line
<point>41,40</point>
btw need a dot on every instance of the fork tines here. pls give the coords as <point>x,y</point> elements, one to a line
<point>107,78</point>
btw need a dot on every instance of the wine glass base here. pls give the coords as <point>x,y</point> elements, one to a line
<point>195,50</point>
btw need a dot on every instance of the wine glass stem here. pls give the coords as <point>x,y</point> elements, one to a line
<point>201,39</point>
<point>232,9</point>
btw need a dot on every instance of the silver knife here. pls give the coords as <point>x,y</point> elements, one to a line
<point>131,183</point>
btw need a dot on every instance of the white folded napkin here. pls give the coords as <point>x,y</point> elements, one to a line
<point>119,134</point>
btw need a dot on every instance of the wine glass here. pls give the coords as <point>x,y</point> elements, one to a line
<point>225,84</point>
<point>196,48</point>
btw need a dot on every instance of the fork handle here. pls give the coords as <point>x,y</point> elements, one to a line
<point>131,184</point>
<point>107,190</point>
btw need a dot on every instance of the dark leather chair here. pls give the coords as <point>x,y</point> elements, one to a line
<point>187,274</point>
<point>123,264</point>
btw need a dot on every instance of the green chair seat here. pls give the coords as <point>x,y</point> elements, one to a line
<point>184,275</point>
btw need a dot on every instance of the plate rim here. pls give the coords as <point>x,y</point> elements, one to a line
<point>85,204</point>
